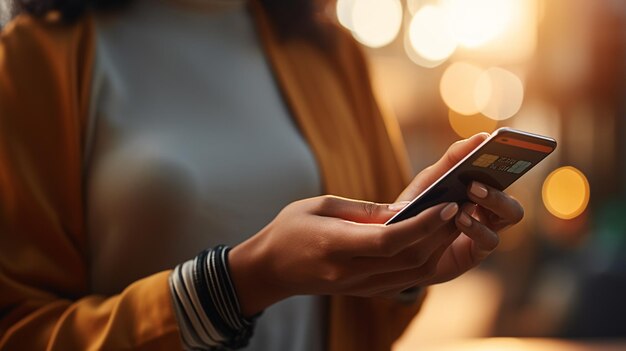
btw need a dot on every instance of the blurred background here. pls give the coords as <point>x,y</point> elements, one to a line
<point>452,68</point>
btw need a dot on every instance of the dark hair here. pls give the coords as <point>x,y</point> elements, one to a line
<point>291,17</point>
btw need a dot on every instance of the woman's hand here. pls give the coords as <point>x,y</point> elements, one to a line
<point>480,222</point>
<point>490,211</point>
<point>332,245</point>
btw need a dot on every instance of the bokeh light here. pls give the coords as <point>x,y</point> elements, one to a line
<point>376,23</point>
<point>418,59</point>
<point>566,192</point>
<point>474,23</point>
<point>429,35</point>
<point>344,12</point>
<point>466,126</point>
<point>458,87</point>
<point>499,93</point>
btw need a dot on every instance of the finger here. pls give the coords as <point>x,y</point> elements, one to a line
<point>386,283</point>
<point>456,260</point>
<point>484,239</point>
<point>354,210</point>
<point>490,219</point>
<point>456,152</point>
<point>414,255</point>
<point>506,209</point>
<point>388,240</point>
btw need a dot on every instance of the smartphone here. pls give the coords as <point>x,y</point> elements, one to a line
<point>498,161</point>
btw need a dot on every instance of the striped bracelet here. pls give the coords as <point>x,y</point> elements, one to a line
<point>206,304</point>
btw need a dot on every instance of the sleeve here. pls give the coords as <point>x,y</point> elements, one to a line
<point>45,73</point>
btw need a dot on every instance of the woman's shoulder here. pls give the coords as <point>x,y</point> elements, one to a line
<point>28,41</point>
<point>45,73</point>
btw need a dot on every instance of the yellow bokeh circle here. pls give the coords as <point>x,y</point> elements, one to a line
<point>566,192</point>
<point>376,23</point>
<point>429,36</point>
<point>458,86</point>
<point>474,23</point>
<point>499,93</point>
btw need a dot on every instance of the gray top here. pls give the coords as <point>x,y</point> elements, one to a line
<point>189,146</point>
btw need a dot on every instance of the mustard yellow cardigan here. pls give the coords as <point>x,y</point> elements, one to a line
<point>45,79</point>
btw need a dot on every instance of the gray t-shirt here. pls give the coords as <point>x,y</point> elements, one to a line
<point>190,146</point>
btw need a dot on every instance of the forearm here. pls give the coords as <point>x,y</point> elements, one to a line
<point>141,317</point>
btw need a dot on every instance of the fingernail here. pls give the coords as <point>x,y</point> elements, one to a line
<point>449,211</point>
<point>397,206</point>
<point>478,190</point>
<point>465,219</point>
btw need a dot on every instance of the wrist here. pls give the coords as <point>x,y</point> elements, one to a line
<point>253,279</point>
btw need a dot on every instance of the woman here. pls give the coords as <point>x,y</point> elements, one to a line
<point>134,138</point>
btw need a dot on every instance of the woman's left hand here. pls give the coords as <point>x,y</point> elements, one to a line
<point>478,222</point>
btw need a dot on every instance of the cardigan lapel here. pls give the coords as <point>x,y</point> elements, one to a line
<point>317,103</point>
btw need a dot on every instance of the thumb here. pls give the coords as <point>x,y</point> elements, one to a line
<point>458,150</point>
<point>358,211</point>
<point>453,155</point>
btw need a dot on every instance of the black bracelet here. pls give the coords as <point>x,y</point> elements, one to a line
<point>206,303</point>
<point>246,329</point>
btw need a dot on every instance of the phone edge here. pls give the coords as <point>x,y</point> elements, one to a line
<point>491,136</point>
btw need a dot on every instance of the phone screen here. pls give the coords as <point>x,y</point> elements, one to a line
<point>506,156</point>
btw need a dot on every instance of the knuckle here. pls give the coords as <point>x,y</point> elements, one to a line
<point>427,170</point>
<point>451,155</point>
<point>384,244</point>
<point>513,211</point>
<point>326,201</point>
<point>332,274</point>
<point>325,247</point>
<point>380,244</point>
<point>369,208</point>
<point>309,205</point>
<point>489,240</point>
<point>294,206</point>
<point>382,232</point>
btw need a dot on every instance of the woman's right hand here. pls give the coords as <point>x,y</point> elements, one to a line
<point>331,245</point>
